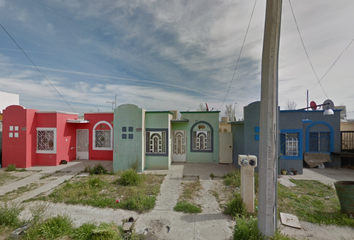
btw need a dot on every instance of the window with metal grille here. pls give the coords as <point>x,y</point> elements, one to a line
<point>156,142</point>
<point>102,138</point>
<point>46,140</point>
<point>289,144</point>
<point>201,140</point>
<point>320,142</point>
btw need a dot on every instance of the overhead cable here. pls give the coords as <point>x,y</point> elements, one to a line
<point>239,56</point>
<point>36,67</point>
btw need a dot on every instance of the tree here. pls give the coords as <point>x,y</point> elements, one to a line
<point>230,112</point>
<point>289,105</point>
<point>201,107</point>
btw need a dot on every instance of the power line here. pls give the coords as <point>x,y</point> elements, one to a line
<point>334,62</point>
<point>303,45</point>
<point>239,56</point>
<point>36,67</point>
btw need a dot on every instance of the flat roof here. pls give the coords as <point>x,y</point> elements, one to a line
<point>179,120</point>
<point>201,112</point>
<point>160,112</point>
<point>77,121</point>
<point>61,112</point>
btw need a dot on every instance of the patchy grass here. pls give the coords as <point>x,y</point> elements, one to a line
<point>308,202</point>
<point>5,177</point>
<point>247,228</point>
<point>61,227</point>
<point>236,207</point>
<point>18,192</point>
<point>11,168</point>
<point>190,191</point>
<point>103,191</point>
<point>184,206</point>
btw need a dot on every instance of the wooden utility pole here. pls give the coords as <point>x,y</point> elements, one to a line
<point>268,145</point>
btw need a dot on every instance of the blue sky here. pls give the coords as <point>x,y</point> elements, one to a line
<point>170,55</point>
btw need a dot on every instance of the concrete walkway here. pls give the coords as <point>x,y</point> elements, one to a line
<point>326,175</point>
<point>168,224</point>
<point>162,222</point>
<point>70,170</point>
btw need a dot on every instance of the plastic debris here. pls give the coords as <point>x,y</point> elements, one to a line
<point>117,200</point>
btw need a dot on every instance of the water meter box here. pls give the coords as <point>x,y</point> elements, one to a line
<point>248,163</point>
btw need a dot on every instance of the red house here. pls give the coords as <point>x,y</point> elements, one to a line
<point>32,137</point>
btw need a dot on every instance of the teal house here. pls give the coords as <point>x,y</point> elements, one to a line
<point>154,139</point>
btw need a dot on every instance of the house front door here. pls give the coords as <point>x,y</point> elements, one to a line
<point>179,146</point>
<point>82,143</point>
<point>225,147</point>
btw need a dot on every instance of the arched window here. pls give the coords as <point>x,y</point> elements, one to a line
<point>202,137</point>
<point>156,141</point>
<point>102,136</point>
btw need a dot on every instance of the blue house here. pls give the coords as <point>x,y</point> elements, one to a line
<point>301,133</point>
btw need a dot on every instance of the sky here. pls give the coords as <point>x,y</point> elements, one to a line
<point>171,55</point>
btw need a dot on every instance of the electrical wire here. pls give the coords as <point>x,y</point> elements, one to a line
<point>303,45</point>
<point>36,66</point>
<point>334,62</point>
<point>239,56</point>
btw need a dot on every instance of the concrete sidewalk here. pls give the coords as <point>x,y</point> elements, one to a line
<point>71,168</point>
<point>326,175</point>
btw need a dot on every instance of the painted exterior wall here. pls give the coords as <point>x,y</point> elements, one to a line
<point>99,120</point>
<point>246,134</point>
<point>129,144</point>
<point>159,121</point>
<point>204,118</point>
<point>21,128</point>
<point>238,131</point>
<point>18,142</point>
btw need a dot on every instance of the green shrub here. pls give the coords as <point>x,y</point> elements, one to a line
<point>233,178</point>
<point>186,207</point>
<point>23,170</point>
<point>95,182</point>
<point>11,168</point>
<point>130,178</point>
<point>236,207</point>
<point>84,232</point>
<point>9,215</point>
<point>247,229</point>
<point>51,228</point>
<point>139,203</point>
<point>56,227</point>
<point>98,169</point>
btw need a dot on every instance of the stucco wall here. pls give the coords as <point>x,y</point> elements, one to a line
<point>156,121</point>
<point>211,118</point>
<point>94,118</point>
<point>128,152</point>
<point>19,150</point>
<point>238,135</point>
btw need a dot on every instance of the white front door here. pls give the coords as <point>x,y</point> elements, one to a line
<point>225,147</point>
<point>82,142</point>
<point>179,146</point>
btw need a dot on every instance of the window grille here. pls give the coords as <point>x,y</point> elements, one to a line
<point>45,140</point>
<point>289,144</point>
<point>156,142</point>
<point>320,142</point>
<point>201,140</point>
<point>102,138</point>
